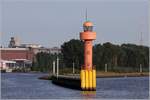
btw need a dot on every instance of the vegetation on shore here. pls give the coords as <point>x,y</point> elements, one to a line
<point>122,74</point>
<point>117,58</point>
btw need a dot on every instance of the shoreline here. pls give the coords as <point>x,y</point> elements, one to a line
<point>115,74</point>
<point>108,75</point>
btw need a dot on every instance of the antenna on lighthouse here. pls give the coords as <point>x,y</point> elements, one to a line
<point>86,15</point>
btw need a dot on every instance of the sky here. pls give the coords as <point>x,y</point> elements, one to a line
<point>53,22</point>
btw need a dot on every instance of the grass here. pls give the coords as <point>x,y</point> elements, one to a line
<point>117,74</point>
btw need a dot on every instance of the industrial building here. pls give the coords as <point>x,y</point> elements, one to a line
<point>18,55</point>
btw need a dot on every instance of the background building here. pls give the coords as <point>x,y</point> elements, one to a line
<point>22,55</point>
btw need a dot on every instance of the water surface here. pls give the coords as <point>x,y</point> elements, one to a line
<point>28,86</point>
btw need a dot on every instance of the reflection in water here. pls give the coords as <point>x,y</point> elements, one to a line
<point>88,94</point>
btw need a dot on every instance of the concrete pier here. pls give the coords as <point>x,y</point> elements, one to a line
<point>73,82</point>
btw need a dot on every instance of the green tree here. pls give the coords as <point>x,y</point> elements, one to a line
<point>72,51</point>
<point>126,57</point>
<point>44,61</point>
<point>98,60</point>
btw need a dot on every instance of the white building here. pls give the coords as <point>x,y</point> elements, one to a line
<point>7,65</point>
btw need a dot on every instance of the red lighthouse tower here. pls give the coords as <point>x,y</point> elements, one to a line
<point>88,73</point>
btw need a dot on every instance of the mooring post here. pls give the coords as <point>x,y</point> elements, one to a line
<point>140,68</point>
<point>53,67</point>
<point>105,67</point>
<point>73,68</point>
<point>57,66</point>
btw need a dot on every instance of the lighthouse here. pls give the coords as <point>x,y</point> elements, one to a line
<point>88,72</point>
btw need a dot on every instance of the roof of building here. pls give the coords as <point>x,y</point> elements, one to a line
<point>13,48</point>
<point>7,61</point>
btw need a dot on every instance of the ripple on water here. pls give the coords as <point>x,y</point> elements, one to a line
<point>28,86</point>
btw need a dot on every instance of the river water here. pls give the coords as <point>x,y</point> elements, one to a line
<point>28,86</point>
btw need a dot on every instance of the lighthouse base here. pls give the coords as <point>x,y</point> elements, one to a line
<point>88,80</point>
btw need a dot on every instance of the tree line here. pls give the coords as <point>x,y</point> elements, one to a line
<point>125,57</point>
